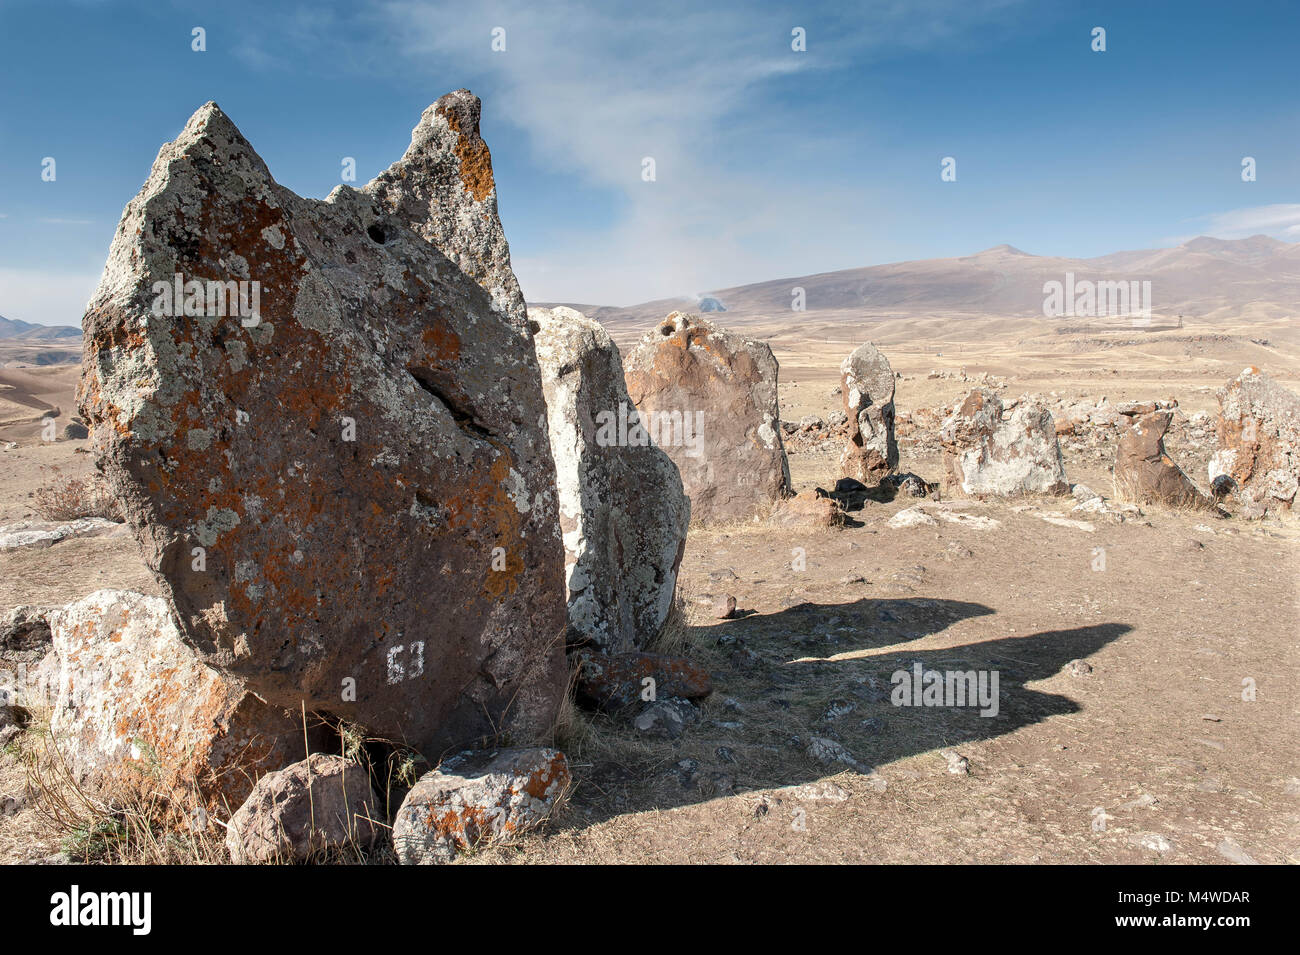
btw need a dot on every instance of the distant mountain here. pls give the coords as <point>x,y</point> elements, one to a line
<point>1203,279</point>
<point>12,330</point>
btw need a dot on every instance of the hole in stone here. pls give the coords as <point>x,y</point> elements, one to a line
<point>377,233</point>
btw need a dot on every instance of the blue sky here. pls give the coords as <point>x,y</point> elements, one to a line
<point>769,162</point>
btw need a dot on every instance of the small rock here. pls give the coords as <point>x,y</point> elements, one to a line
<point>475,799</point>
<point>827,751</point>
<point>1078,668</point>
<point>958,764</point>
<point>612,683</point>
<point>320,803</point>
<point>837,708</point>
<point>1151,840</point>
<point>1234,853</point>
<point>666,719</point>
<point>724,607</point>
<point>912,517</point>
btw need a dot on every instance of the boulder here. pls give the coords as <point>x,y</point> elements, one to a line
<point>355,436</point>
<point>623,513</point>
<point>985,454</point>
<point>811,509</point>
<point>322,802</point>
<point>708,397</point>
<point>138,714</point>
<point>1144,473</point>
<point>41,534</point>
<point>1259,443</point>
<point>475,799</point>
<point>612,683</point>
<point>867,384</point>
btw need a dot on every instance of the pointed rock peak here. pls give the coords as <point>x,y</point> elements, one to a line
<point>444,191</point>
<point>209,122</point>
<point>1003,249</point>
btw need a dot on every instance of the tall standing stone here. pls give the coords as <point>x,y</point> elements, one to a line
<point>708,397</point>
<point>1144,471</point>
<point>867,385</point>
<point>341,476</point>
<point>623,514</point>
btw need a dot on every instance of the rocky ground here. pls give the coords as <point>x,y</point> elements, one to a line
<point>1127,647</point>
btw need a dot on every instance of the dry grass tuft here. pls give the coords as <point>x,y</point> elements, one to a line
<point>70,498</point>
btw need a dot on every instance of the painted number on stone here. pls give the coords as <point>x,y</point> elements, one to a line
<point>405,662</point>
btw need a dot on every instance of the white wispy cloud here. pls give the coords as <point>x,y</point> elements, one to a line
<point>1278,220</point>
<point>739,194</point>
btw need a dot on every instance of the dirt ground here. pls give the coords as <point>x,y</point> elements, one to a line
<point>1157,751</point>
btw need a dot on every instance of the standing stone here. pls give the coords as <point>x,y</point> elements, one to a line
<point>986,455</point>
<point>1144,472</point>
<point>341,476</point>
<point>139,715</point>
<point>623,513</point>
<point>708,397</point>
<point>1259,440</point>
<point>867,384</point>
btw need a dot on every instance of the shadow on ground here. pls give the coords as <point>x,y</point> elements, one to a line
<point>805,693</point>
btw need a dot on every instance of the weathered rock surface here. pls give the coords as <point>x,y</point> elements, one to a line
<point>351,490</point>
<point>443,189</point>
<point>25,634</point>
<point>137,713</point>
<point>867,385</point>
<point>810,509</point>
<point>623,513</point>
<point>666,718</point>
<point>39,534</point>
<point>985,454</point>
<point>475,799</point>
<point>322,802</point>
<point>1259,443</point>
<point>1145,473</point>
<point>708,397</point>
<point>612,683</point>
<point>911,517</point>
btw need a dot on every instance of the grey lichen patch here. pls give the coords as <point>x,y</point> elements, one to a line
<point>237,354</point>
<point>316,305</point>
<point>219,521</point>
<point>273,237</point>
<point>198,439</point>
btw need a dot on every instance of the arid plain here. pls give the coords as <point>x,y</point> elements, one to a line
<point>1146,751</point>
